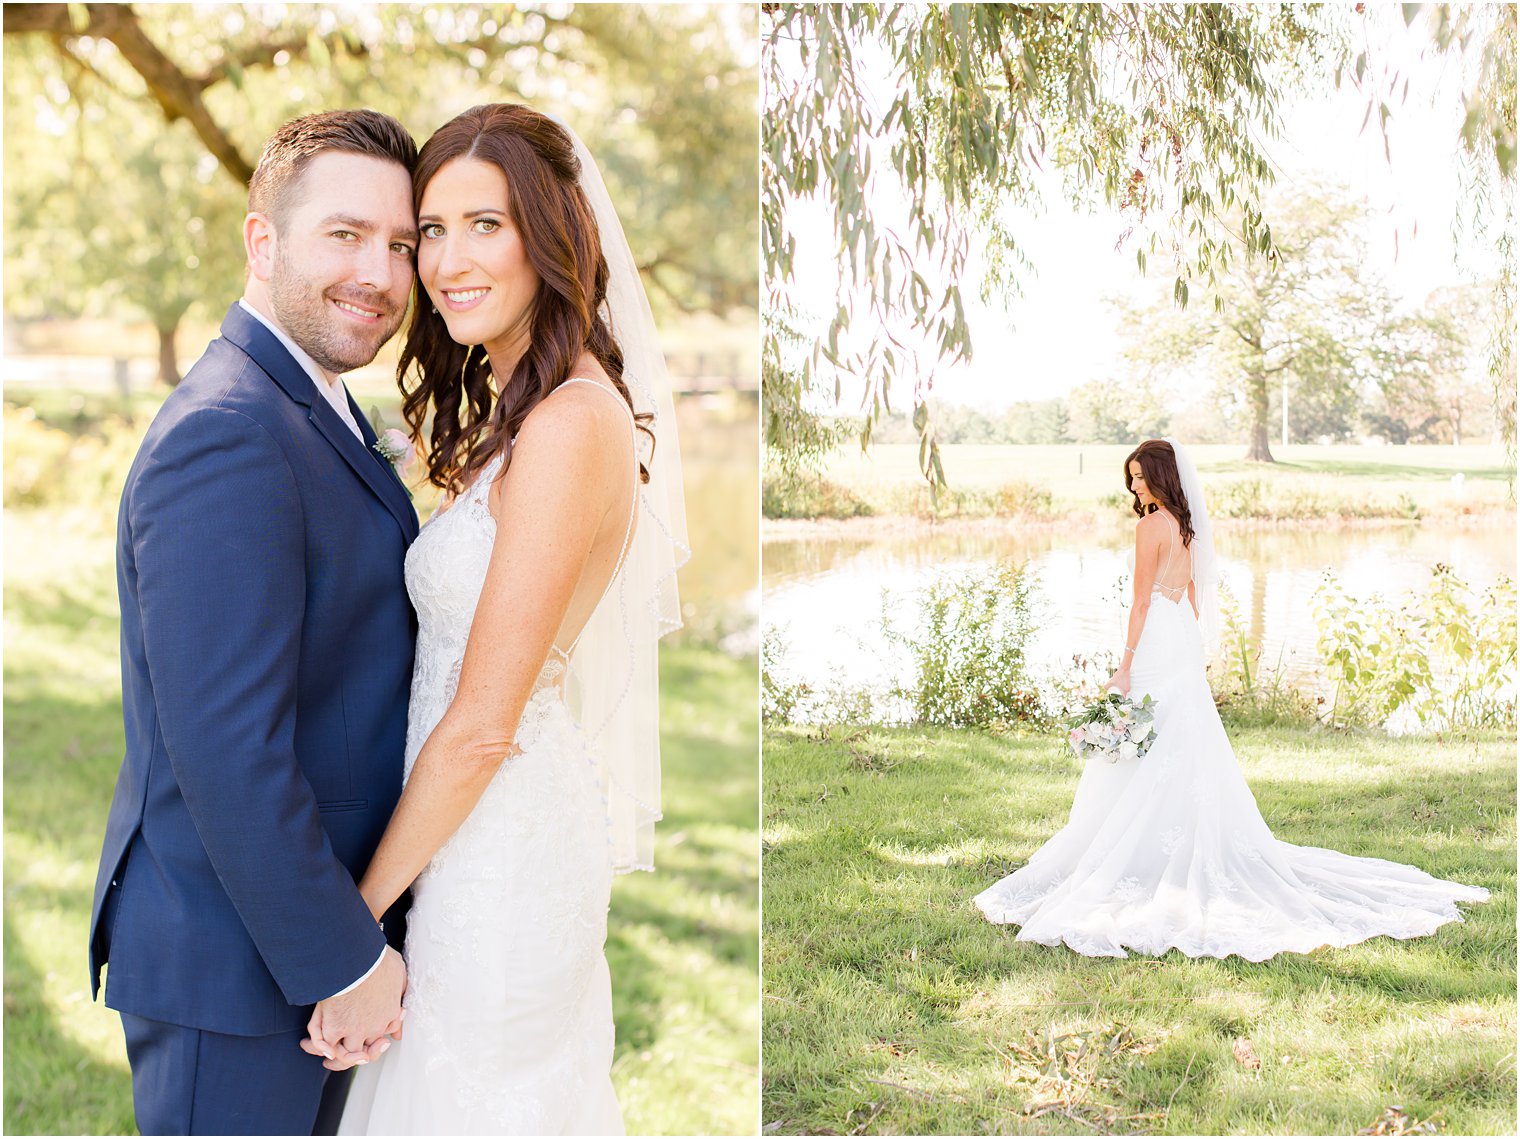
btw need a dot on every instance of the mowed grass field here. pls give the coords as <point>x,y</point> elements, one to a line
<point>1080,475</point>
<point>684,940</point>
<point>892,1007</point>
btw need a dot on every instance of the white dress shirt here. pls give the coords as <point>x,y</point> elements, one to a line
<point>332,390</point>
<point>335,394</point>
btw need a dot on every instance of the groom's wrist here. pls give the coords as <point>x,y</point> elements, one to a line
<point>370,972</point>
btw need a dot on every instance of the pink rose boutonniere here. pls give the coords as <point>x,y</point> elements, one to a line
<point>394,446</point>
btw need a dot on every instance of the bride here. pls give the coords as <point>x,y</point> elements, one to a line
<point>541,587</point>
<point>1170,851</point>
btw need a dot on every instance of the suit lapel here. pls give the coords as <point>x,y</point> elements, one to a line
<point>366,463</point>
<point>269,354</point>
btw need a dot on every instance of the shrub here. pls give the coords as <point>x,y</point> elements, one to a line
<point>1016,498</point>
<point>1375,655</point>
<point>1449,656</point>
<point>1023,498</point>
<point>785,495</point>
<point>1473,636</point>
<point>779,700</point>
<point>48,466</point>
<point>1284,498</point>
<point>968,654</point>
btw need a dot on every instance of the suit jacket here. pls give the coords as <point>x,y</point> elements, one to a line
<point>266,654</point>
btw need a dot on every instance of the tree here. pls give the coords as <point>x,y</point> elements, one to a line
<point>1105,412</point>
<point>1481,39</point>
<point>1036,421</point>
<point>664,99</point>
<point>1318,323</point>
<point>114,212</point>
<point>1154,109</point>
<point>1436,390</point>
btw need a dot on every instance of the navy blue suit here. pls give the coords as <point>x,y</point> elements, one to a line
<point>266,649</point>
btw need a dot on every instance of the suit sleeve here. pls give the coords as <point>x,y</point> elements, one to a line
<point>219,544</point>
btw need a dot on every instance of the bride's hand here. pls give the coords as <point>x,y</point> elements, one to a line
<point>1119,680</point>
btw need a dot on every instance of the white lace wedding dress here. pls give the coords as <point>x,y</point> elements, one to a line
<point>509,1003</point>
<point>1170,851</point>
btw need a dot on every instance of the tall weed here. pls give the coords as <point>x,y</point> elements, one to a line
<point>1447,657</point>
<point>789,494</point>
<point>968,651</point>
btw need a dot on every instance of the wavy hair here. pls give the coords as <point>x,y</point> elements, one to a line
<point>472,423</point>
<point>1158,463</point>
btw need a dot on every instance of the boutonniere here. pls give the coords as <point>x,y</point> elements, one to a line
<point>394,446</point>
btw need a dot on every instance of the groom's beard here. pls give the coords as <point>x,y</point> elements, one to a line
<point>304,309</point>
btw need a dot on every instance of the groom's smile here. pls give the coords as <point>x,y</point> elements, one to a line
<point>367,314</point>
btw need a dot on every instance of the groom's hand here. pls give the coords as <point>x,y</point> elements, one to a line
<point>356,1027</point>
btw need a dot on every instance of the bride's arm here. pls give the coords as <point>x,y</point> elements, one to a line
<point>568,465</point>
<point>1147,561</point>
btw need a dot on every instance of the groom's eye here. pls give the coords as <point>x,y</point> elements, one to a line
<point>343,234</point>
<point>402,249</point>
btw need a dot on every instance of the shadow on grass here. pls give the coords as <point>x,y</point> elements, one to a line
<point>683,942</point>
<point>881,972</point>
<point>52,1085</point>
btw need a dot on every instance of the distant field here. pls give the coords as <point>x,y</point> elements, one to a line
<point>1082,474</point>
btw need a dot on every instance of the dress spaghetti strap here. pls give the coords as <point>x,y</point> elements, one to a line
<point>1171,592</point>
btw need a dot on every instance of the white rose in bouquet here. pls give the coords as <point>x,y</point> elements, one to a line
<point>1114,726</point>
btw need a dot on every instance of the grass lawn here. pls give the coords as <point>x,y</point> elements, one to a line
<point>1080,475</point>
<point>892,1007</point>
<point>684,942</point>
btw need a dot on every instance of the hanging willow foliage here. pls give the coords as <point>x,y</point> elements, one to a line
<point>1161,112</point>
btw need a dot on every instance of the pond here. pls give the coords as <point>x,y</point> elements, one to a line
<point>823,596</point>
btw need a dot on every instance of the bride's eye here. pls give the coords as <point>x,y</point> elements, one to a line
<point>432,229</point>
<point>487,225</point>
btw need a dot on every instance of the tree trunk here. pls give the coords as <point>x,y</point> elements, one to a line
<point>168,361</point>
<point>1256,390</point>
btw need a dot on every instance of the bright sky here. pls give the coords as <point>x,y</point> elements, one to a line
<point>1061,333</point>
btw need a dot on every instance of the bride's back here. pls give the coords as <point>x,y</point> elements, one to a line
<point>1175,568</point>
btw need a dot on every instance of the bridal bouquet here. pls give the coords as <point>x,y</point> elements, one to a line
<point>1116,727</point>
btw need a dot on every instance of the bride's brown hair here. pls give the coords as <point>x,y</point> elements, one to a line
<point>1158,463</point>
<point>471,423</point>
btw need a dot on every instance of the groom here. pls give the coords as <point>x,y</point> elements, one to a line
<point>266,646</point>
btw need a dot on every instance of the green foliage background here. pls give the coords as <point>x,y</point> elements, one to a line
<point>113,207</point>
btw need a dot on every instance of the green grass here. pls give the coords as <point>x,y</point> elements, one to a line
<point>1331,481</point>
<point>684,941</point>
<point>892,1007</point>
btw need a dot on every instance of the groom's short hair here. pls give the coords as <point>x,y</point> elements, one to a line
<point>273,189</point>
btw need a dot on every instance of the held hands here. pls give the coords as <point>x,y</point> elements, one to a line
<point>358,1026</point>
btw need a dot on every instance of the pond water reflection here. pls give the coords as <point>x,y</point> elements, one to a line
<point>824,595</point>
